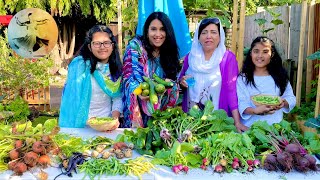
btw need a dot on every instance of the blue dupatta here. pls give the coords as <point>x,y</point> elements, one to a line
<point>76,96</point>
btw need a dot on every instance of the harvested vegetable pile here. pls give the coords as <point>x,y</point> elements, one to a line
<point>288,155</point>
<point>227,152</point>
<point>28,146</point>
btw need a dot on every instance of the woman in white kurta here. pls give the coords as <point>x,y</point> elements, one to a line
<point>263,73</point>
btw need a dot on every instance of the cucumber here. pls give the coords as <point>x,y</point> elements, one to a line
<point>152,94</point>
<point>161,81</point>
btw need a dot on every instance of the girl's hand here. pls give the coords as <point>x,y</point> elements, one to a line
<point>115,126</point>
<point>144,98</point>
<point>264,109</point>
<point>284,103</point>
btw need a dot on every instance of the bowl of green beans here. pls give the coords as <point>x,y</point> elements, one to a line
<point>263,99</point>
<point>103,124</point>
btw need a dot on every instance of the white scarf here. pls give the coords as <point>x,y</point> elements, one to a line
<point>206,73</point>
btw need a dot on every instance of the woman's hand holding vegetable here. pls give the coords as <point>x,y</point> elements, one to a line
<point>144,98</point>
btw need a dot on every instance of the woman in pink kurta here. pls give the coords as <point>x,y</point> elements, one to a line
<point>214,70</point>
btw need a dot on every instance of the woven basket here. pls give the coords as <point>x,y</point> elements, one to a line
<point>105,126</point>
<point>259,103</point>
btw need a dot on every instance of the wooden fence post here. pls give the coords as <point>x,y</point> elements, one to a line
<point>234,27</point>
<point>241,33</point>
<point>317,109</point>
<point>310,49</point>
<point>301,51</point>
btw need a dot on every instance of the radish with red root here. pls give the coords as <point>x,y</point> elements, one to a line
<point>218,168</point>
<point>250,162</point>
<point>185,169</point>
<point>235,165</point>
<point>250,168</point>
<point>256,163</point>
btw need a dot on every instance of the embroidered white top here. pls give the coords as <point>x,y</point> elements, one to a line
<point>265,85</point>
<point>102,105</point>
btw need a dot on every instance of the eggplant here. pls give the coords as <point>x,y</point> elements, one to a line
<point>75,160</point>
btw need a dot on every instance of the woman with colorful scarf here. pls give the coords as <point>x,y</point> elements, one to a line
<point>214,70</point>
<point>155,52</point>
<point>93,86</point>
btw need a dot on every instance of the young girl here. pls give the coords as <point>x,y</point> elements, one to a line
<point>263,73</point>
<point>93,86</point>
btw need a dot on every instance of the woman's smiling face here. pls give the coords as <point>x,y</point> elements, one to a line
<point>156,33</point>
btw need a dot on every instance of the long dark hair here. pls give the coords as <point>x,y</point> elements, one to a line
<point>169,51</point>
<point>275,68</point>
<point>114,59</point>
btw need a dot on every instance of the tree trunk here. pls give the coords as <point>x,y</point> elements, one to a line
<point>67,39</point>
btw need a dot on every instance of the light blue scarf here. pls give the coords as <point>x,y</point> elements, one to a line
<point>76,96</point>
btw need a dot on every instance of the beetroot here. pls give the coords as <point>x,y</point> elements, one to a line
<point>20,168</point>
<point>271,159</point>
<point>46,139</point>
<point>285,160</point>
<point>18,144</point>
<point>31,158</point>
<point>310,158</point>
<point>37,147</point>
<point>11,165</point>
<point>14,154</point>
<point>269,167</point>
<point>292,148</point>
<point>270,163</point>
<point>303,162</point>
<point>44,160</point>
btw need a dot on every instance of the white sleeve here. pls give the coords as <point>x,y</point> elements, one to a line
<point>289,97</point>
<point>117,104</point>
<point>244,100</point>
